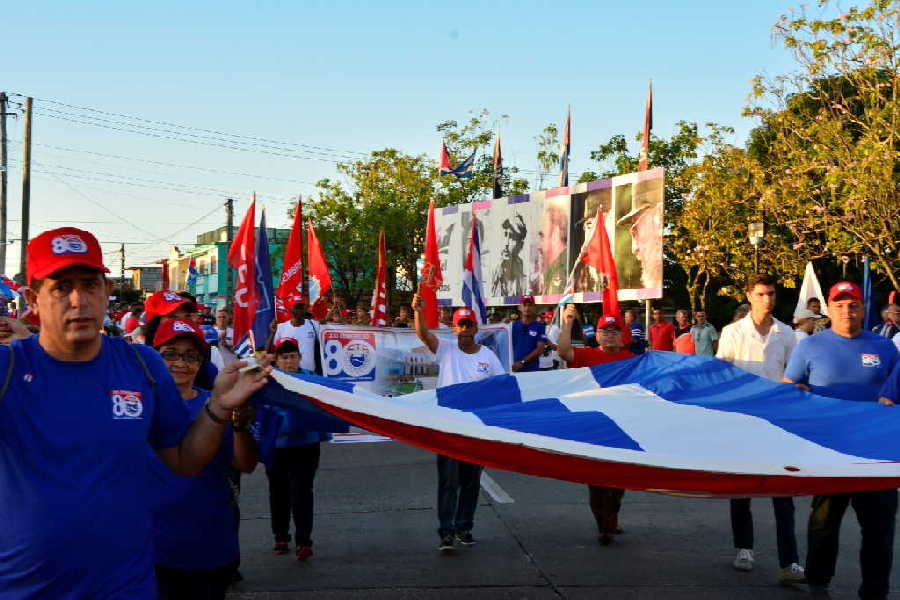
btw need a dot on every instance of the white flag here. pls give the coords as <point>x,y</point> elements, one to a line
<point>810,289</point>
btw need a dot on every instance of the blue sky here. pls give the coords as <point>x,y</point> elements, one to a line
<point>346,77</point>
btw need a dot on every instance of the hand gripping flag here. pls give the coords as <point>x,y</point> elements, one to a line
<point>290,284</point>
<point>432,278</point>
<point>660,422</point>
<point>240,257</point>
<point>472,286</point>
<point>644,160</point>
<point>319,275</point>
<point>378,312</point>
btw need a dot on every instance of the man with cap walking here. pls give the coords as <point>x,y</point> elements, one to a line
<point>77,411</point>
<point>529,336</point>
<point>610,334</point>
<point>849,363</point>
<point>462,361</point>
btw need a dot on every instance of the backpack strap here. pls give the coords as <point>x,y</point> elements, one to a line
<point>143,363</point>
<point>9,371</point>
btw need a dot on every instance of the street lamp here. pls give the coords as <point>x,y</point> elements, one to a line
<point>755,233</point>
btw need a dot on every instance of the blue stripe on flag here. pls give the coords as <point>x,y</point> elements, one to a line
<point>696,380</point>
<point>502,389</point>
<point>551,418</point>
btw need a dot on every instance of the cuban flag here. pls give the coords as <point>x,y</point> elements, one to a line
<point>9,288</point>
<point>465,169</point>
<point>660,421</point>
<point>472,284</point>
<point>192,272</point>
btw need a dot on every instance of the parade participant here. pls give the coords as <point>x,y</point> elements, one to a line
<point>402,318</point>
<point>740,312</point>
<point>662,333</point>
<point>162,306</point>
<point>549,358</point>
<point>223,327</point>
<point>706,339</point>
<point>362,315</point>
<point>305,332</point>
<point>890,321</point>
<point>684,341</point>
<point>77,415</point>
<point>462,361</point>
<point>805,324</point>
<point>445,317</point>
<point>195,539</point>
<point>761,344</point>
<point>292,468</point>
<point>133,321</point>
<point>638,340</point>
<point>849,363</point>
<point>605,502</point>
<point>528,336</point>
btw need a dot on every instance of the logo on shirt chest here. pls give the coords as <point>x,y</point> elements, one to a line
<point>483,367</point>
<point>871,360</point>
<point>126,404</point>
<point>532,333</point>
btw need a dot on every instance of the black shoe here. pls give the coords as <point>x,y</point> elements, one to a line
<point>465,538</point>
<point>448,543</point>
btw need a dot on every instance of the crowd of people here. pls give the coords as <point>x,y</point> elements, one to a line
<point>143,414</point>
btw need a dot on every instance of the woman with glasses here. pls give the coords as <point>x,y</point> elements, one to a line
<point>194,534</point>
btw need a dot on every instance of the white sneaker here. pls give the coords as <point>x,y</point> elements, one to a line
<point>744,560</point>
<point>791,574</point>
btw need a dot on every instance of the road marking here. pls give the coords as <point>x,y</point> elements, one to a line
<point>494,490</point>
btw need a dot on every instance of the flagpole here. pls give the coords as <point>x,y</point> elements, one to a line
<point>303,258</point>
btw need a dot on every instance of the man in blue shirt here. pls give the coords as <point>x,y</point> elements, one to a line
<point>529,336</point>
<point>849,363</point>
<point>77,411</point>
<point>638,340</point>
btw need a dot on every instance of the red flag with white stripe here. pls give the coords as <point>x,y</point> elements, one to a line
<point>242,257</point>
<point>290,286</point>
<point>378,314</point>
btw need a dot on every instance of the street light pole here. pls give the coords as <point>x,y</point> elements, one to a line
<point>755,232</point>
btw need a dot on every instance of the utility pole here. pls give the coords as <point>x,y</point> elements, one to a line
<point>122,271</point>
<point>3,181</point>
<point>26,186</point>
<point>229,225</point>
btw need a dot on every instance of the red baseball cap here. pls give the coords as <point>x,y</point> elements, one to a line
<point>547,315</point>
<point>164,302</point>
<point>609,321</point>
<point>60,248</point>
<point>845,288</point>
<point>463,314</point>
<point>176,328</point>
<point>289,341</point>
<point>526,299</point>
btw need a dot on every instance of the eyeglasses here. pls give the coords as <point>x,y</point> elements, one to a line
<point>188,357</point>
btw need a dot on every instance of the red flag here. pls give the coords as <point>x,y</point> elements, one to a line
<point>241,256</point>
<point>319,275</point>
<point>432,278</point>
<point>444,160</point>
<point>378,314</point>
<point>598,254</point>
<point>290,286</point>
<point>648,125</point>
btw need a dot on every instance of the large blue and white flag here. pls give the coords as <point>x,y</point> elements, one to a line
<point>660,421</point>
<point>472,286</point>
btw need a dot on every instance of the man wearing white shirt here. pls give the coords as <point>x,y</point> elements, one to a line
<point>761,344</point>
<point>305,331</point>
<point>459,361</point>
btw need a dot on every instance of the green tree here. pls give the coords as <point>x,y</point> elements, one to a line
<point>830,135</point>
<point>548,152</point>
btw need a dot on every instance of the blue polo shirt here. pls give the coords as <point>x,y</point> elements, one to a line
<point>193,521</point>
<point>525,339</point>
<point>74,518</point>
<point>839,367</point>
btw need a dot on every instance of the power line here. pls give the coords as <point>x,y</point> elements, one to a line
<point>189,127</point>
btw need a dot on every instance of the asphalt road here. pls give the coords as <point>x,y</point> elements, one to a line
<point>375,538</point>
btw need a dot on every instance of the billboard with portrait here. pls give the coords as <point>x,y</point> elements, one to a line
<point>531,243</point>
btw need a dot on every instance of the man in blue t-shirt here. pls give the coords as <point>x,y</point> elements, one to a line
<point>529,336</point>
<point>638,339</point>
<point>849,363</point>
<point>77,411</point>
